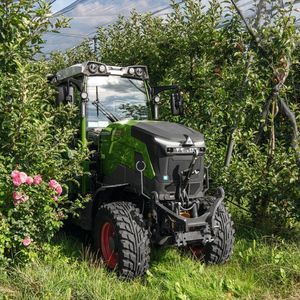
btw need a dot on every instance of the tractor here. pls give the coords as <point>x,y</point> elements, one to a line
<point>147,178</point>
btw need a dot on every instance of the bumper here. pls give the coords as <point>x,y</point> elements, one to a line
<point>189,230</point>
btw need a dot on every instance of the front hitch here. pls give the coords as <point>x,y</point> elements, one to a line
<point>192,229</point>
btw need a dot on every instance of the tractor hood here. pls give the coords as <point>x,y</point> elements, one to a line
<point>167,134</point>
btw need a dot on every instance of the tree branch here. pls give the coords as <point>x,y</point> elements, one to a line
<point>250,29</point>
<point>291,117</point>
<point>231,141</point>
<point>265,113</point>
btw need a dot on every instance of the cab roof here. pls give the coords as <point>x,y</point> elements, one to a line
<point>93,68</point>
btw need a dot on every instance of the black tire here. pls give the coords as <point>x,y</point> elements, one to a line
<point>220,249</point>
<point>131,244</point>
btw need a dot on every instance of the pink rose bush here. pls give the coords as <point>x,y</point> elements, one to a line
<point>32,211</point>
<point>20,178</point>
<point>35,203</point>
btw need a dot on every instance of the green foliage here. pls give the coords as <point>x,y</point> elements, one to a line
<point>261,268</point>
<point>36,137</point>
<point>226,80</point>
<point>22,24</point>
<point>79,54</point>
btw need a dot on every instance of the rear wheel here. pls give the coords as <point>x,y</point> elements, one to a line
<point>121,238</point>
<point>220,249</point>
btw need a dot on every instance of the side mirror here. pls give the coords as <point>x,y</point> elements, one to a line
<point>61,94</point>
<point>176,104</point>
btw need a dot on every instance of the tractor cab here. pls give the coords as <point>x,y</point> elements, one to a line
<point>109,93</point>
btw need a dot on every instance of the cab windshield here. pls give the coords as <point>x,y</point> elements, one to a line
<point>124,98</point>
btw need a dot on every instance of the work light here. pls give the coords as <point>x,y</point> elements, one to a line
<point>131,71</point>
<point>139,72</point>
<point>102,69</point>
<point>93,68</point>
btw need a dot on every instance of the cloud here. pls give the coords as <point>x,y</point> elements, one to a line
<point>88,15</point>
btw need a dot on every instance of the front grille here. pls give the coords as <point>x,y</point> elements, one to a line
<point>194,188</point>
<point>177,164</point>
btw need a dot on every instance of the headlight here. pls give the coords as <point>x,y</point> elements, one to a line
<point>139,72</point>
<point>185,150</point>
<point>131,71</point>
<point>84,95</point>
<point>102,69</point>
<point>93,68</point>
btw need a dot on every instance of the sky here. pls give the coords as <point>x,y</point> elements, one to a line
<point>87,15</point>
<point>60,4</point>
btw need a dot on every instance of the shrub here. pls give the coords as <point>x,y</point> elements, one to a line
<point>36,137</point>
<point>33,213</point>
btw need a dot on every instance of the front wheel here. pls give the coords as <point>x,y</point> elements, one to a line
<point>121,238</point>
<point>220,249</point>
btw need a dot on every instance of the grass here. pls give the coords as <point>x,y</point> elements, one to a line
<point>262,267</point>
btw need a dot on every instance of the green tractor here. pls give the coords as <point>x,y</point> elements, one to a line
<point>148,179</point>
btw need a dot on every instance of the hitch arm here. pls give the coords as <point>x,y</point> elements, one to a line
<point>215,206</point>
<point>187,173</point>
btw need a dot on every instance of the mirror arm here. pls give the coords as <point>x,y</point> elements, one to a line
<point>158,89</point>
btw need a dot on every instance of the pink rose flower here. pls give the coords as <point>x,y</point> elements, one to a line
<point>53,184</point>
<point>15,175</point>
<point>23,177</point>
<point>19,198</point>
<point>55,198</point>
<point>29,180</point>
<point>18,177</point>
<point>58,190</point>
<point>37,179</point>
<point>17,195</point>
<point>27,241</point>
<point>17,181</point>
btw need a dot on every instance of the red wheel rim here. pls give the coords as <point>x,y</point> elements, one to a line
<point>108,245</point>
<point>197,252</point>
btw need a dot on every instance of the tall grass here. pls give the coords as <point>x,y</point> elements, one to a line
<point>262,267</point>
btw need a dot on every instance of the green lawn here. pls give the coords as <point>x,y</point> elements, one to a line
<point>262,268</point>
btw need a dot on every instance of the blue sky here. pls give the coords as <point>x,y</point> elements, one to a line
<point>88,14</point>
<point>60,4</point>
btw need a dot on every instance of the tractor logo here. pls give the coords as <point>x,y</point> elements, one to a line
<point>188,142</point>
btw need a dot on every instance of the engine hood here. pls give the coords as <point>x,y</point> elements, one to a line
<point>167,133</point>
